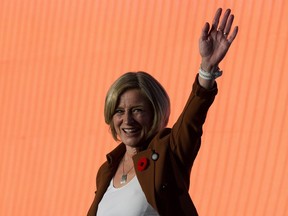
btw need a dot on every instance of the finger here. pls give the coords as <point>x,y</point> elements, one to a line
<point>228,25</point>
<point>224,20</point>
<point>233,35</point>
<point>205,30</point>
<point>216,18</point>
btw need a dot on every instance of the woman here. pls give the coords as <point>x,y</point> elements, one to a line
<point>149,172</point>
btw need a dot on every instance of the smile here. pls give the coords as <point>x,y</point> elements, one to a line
<point>130,130</point>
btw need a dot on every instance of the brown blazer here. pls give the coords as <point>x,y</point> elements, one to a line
<point>165,179</point>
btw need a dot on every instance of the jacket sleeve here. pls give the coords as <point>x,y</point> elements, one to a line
<point>186,133</point>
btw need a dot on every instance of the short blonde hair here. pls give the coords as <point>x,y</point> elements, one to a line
<point>150,88</point>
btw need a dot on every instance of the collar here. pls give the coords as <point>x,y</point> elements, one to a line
<point>116,155</point>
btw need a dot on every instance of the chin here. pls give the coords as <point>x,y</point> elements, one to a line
<point>133,142</point>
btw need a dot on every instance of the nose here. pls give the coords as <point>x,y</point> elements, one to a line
<point>128,118</point>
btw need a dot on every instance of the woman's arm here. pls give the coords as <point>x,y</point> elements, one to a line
<point>213,45</point>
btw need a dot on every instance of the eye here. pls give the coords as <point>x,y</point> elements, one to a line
<point>118,111</point>
<point>137,110</point>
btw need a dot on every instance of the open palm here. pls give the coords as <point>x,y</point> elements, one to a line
<point>214,42</point>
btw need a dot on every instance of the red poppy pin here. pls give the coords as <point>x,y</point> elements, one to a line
<point>142,164</point>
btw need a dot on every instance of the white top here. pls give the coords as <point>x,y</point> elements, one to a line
<point>128,200</point>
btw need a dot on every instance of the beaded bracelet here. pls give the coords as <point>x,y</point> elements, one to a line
<point>210,76</point>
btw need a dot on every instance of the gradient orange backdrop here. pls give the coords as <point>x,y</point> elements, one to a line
<point>59,57</point>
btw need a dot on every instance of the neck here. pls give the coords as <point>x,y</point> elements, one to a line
<point>130,152</point>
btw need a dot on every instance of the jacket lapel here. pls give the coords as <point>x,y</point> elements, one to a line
<point>146,174</point>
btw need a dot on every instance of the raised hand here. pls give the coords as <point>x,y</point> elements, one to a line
<point>215,41</point>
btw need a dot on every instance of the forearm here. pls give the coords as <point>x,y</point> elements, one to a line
<point>187,131</point>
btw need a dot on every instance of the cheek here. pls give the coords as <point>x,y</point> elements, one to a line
<point>115,123</point>
<point>150,119</point>
<point>148,122</point>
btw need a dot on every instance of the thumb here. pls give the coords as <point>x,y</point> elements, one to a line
<point>205,32</point>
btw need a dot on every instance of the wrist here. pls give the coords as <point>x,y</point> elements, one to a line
<point>208,67</point>
<point>207,84</point>
<point>210,75</point>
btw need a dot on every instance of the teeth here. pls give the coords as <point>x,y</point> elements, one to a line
<point>130,130</point>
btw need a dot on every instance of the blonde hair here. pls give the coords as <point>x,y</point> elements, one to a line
<point>150,88</point>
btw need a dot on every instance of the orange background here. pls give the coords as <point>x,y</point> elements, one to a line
<point>59,57</point>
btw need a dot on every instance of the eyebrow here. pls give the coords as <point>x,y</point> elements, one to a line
<point>132,107</point>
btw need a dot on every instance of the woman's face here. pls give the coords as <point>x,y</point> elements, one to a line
<point>133,118</point>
